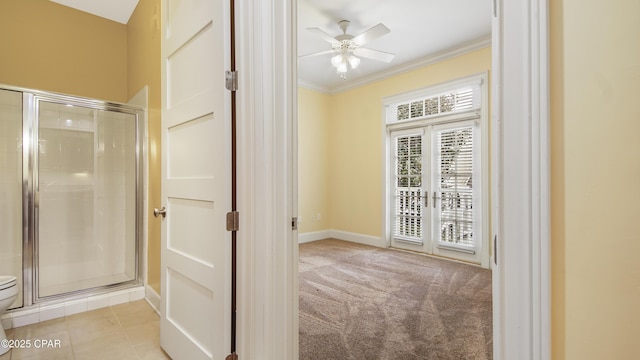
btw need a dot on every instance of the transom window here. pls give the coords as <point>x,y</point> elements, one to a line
<point>464,98</point>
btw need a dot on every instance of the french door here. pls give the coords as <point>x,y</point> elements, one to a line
<point>435,198</point>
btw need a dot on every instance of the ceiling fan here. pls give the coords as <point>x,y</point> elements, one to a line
<point>349,48</point>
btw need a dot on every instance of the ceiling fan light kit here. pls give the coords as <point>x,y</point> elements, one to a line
<point>341,60</point>
<point>348,46</point>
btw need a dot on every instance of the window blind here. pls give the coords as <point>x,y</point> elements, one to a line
<point>456,186</point>
<point>408,190</point>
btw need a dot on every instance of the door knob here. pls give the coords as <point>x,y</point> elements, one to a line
<point>157,212</point>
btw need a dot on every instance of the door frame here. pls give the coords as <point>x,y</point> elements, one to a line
<point>268,293</point>
<point>480,115</point>
<point>267,181</point>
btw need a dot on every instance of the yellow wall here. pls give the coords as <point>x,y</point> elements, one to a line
<point>51,47</point>
<point>313,160</point>
<point>143,63</point>
<point>356,141</point>
<point>595,87</point>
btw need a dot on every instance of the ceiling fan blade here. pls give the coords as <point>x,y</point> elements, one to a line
<point>371,34</point>
<point>317,53</point>
<point>328,38</point>
<point>374,54</point>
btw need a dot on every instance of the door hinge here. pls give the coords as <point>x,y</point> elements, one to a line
<point>233,221</point>
<point>294,223</point>
<point>232,356</point>
<point>231,80</point>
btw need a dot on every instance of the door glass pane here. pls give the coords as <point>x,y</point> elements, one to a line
<point>11,187</point>
<point>408,190</point>
<point>87,185</point>
<point>455,162</point>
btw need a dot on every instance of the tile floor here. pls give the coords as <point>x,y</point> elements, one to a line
<point>126,331</point>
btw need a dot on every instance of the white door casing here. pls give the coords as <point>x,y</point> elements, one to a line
<point>267,245</point>
<point>195,255</point>
<point>520,180</point>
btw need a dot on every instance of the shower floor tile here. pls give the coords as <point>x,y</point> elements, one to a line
<point>125,331</point>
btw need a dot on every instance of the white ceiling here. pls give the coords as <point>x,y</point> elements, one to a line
<point>420,29</point>
<point>116,10</point>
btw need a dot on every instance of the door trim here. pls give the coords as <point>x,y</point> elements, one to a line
<point>521,186</point>
<point>267,245</point>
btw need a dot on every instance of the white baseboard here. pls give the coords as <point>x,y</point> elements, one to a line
<point>152,298</point>
<point>358,238</point>
<point>341,235</point>
<point>313,236</point>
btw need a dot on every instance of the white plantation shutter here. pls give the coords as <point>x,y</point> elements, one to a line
<point>408,188</point>
<point>455,167</point>
<point>464,98</point>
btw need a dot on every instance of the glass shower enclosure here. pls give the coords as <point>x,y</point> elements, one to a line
<point>79,178</point>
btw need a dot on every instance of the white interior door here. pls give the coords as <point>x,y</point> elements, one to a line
<point>195,293</point>
<point>435,200</point>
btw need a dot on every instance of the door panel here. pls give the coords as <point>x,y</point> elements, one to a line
<point>456,221</point>
<point>409,190</point>
<point>196,161</point>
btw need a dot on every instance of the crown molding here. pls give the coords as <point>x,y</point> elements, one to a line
<point>313,86</point>
<point>431,59</point>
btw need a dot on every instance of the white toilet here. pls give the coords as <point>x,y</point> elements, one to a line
<point>8,294</point>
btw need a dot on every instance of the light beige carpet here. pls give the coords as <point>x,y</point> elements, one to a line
<point>362,302</point>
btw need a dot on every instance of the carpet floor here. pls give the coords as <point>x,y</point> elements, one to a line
<point>363,302</point>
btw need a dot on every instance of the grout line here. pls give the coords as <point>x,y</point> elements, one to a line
<point>66,330</point>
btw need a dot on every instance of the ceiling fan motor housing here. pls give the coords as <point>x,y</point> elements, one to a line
<point>344,24</point>
<point>344,40</point>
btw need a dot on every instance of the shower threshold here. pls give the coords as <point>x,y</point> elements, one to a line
<point>72,286</point>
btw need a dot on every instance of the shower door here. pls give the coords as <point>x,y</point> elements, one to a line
<point>86,196</point>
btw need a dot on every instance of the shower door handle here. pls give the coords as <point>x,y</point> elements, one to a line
<point>157,212</point>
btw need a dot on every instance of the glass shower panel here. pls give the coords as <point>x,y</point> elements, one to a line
<point>11,187</point>
<point>87,198</point>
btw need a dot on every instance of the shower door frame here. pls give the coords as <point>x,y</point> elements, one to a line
<point>30,198</point>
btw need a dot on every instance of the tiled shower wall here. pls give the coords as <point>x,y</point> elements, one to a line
<point>11,186</point>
